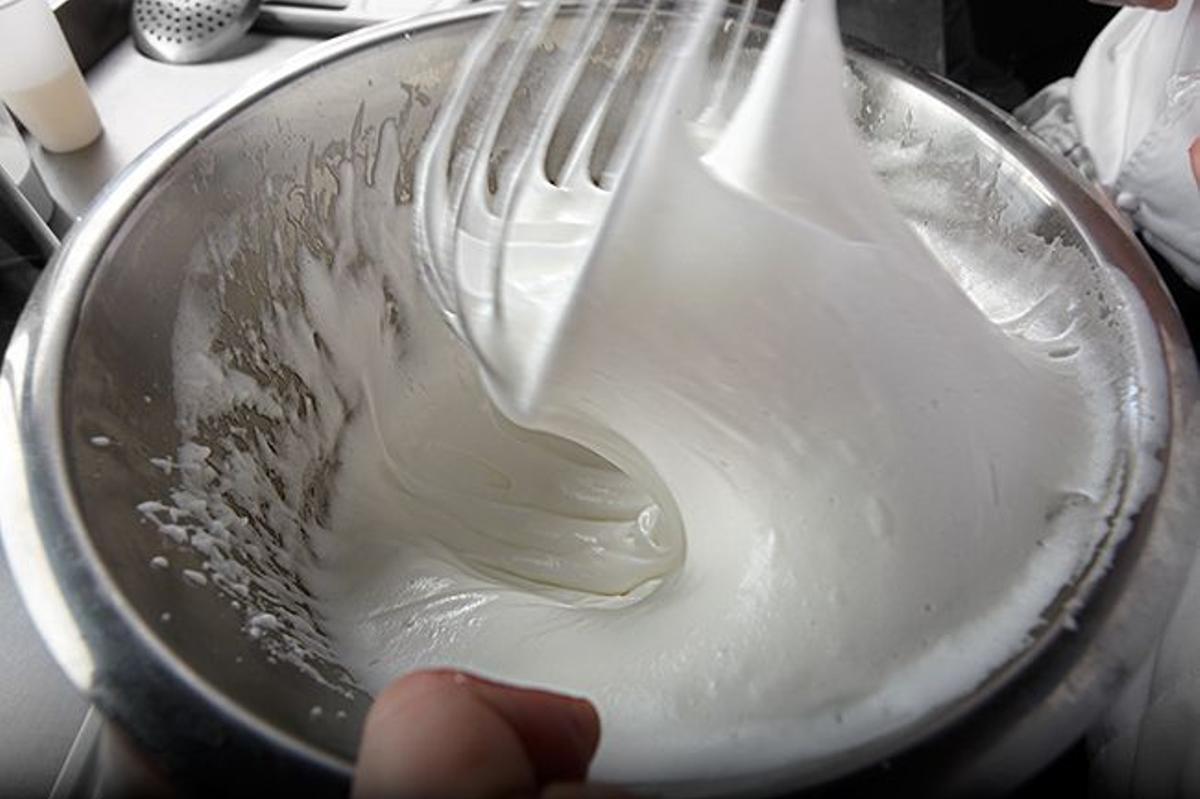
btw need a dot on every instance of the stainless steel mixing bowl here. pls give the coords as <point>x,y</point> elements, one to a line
<point>172,663</point>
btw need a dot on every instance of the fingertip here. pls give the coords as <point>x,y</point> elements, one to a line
<point>588,723</point>
<point>561,733</point>
<point>429,735</point>
<point>1194,156</point>
<point>582,790</point>
<point>428,726</point>
<point>1155,5</point>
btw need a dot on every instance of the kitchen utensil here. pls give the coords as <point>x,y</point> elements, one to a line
<point>453,197</point>
<point>189,31</point>
<point>22,228</point>
<point>456,199</point>
<point>245,188</point>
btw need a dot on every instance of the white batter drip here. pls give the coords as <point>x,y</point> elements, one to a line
<point>844,494</point>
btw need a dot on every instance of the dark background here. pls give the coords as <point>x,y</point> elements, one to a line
<point>1006,50</point>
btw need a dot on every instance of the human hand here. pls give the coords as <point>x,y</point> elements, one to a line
<point>446,734</point>
<point>1194,155</point>
<point>1158,5</point>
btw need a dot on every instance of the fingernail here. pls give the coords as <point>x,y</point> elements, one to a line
<point>584,722</point>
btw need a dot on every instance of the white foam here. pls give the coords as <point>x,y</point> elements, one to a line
<point>843,541</point>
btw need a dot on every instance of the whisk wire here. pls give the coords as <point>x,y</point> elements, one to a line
<point>531,164</point>
<point>433,229</point>
<point>741,27</point>
<point>575,167</point>
<point>469,189</point>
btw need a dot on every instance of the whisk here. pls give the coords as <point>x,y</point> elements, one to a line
<point>485,180</point>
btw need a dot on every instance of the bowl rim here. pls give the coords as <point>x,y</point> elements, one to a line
<point>112,655</point>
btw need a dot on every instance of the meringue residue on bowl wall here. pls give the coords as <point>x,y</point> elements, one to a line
<point>344,473</point>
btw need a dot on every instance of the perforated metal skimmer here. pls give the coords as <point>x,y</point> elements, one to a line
<point>186,31</point>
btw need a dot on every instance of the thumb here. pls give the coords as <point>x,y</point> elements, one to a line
<point>447,734</point>
<point>1159,5</point>
<point>1194,155</point>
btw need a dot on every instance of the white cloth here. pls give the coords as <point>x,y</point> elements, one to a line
<point>1127,119</point>
<point>1148,744</point>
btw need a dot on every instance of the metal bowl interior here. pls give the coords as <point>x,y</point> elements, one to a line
<point>252,177</point>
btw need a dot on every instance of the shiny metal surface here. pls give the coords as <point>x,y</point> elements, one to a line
<point>92,27</point>
<point>189,31</point>
<point>21,226</point>
<point>140,99</point>
<point>32,689</point>
<point>196,693</point>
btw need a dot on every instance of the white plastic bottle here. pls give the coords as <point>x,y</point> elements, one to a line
<point>39,79</point>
